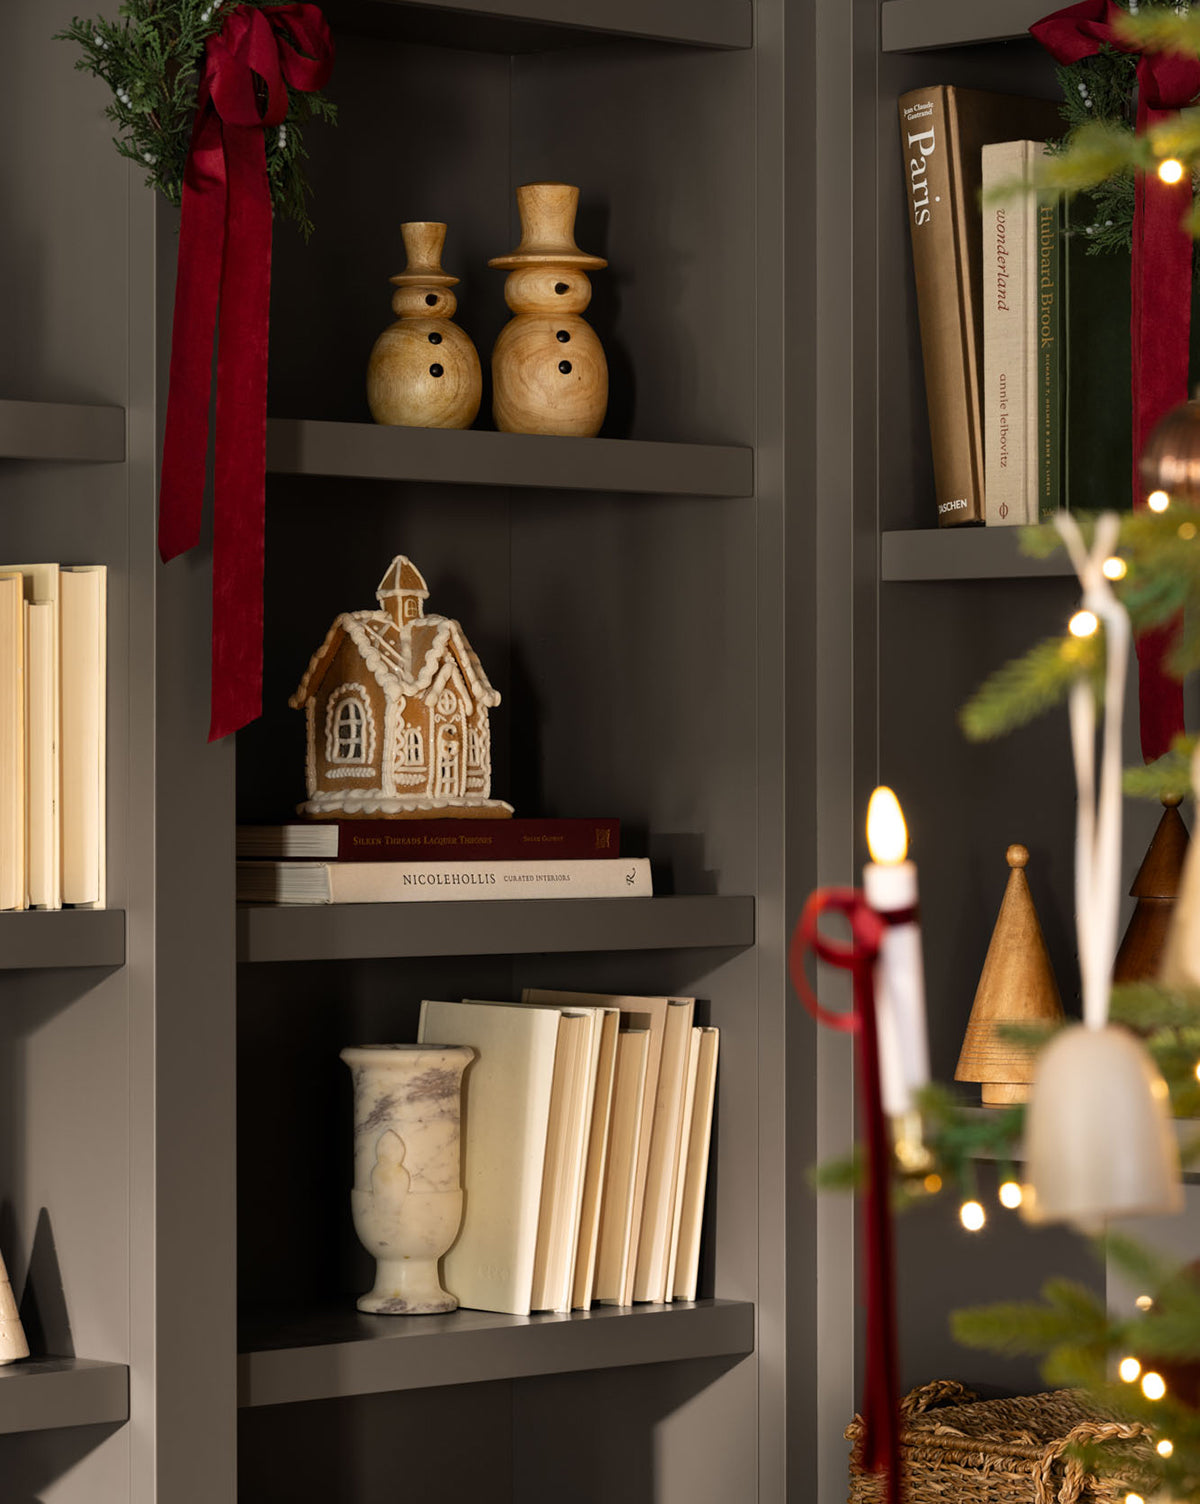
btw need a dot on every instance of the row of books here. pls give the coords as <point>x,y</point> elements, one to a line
<point>586,1132</point>
<point>1024,335</point>
<point>391,861</point>
<point>52,735</point>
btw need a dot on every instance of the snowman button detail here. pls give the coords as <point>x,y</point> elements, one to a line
<point>431,298</point>
<point>563,337</point>
<point>561,287</point>
<point>435,370</point>
<point>565,367</point>
<point>435,338</point>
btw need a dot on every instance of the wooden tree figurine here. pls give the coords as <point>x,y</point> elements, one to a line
<point>424,371</point>
<point>549,374</point>
<point>1156,888</point>
<point>13,1345</point>
<point>1016,986</point>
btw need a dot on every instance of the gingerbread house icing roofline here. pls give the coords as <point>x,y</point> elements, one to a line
<point>387,653</point>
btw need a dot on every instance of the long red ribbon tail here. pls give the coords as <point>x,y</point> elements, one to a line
<point>185,441</point>
<point>239,482</point>
<point>881,1389</point>
<point>1160,326</point>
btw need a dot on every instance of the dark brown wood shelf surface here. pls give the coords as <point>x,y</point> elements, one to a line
<point>478,457</point>
<point>61,431</point>
<point>331,1353</point>
<point>964,553</point>
<point>921,25</point>
<point>336,932</point>
<point>542,25</point>
<point>40,1394</point>
<point>62,937</point>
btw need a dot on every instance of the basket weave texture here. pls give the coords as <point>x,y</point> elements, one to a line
<point>955,1449</point>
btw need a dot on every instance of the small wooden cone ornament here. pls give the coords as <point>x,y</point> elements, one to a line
<point>1016,986</point>
<point>1156,888</point>
<point>13,1345</point>
<point>1181,954</point>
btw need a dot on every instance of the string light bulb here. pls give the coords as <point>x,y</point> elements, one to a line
<point>1144,1302</point>
<point>1129,1369</point>
<point>1115,568</point>
<point>1154,1386</point>
<point>1170,170</point>
<point>1186,531</point>
<point>1158,501</point>
<point>932,1183</point>
<point>1083,624</point>
<point>972,1215</point>
<point>1134,1499</point>
<point>1165,1447</point>
<point>1011,1195</point>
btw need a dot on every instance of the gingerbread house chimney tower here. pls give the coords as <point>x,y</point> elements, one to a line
<point>402,591</point>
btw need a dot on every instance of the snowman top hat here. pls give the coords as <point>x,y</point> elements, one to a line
<point>547,213</point>
<point>423,241</point>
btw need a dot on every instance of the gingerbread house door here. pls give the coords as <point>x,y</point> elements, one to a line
<point>449,746</point>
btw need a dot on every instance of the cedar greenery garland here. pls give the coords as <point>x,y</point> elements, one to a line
<point>151,59</point>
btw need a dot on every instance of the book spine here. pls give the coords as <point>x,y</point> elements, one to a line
<point>477,840</point>
<point>420,882</point>
<point>944,302</point>
<point>1049,359</point>
<point>1007,354</point>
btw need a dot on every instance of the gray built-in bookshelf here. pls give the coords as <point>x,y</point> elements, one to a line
<point>723,621</point>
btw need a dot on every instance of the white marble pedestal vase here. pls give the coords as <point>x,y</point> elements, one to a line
<point>407,1197</point>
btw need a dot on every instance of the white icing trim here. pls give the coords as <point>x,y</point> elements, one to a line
<point>371,802</point>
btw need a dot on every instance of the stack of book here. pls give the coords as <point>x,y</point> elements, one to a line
<point>52,735</point>
<point>586,1129</point>
<point>389,861</point>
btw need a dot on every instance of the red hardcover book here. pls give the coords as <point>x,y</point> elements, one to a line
<point>431,840</point>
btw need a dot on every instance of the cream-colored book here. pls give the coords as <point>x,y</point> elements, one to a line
<point>658,1204</point>
<point>602,1072</point>
<point>685,1133</point>
<point>83,592</point>
<point>43,832</point>
<point>12,741</point>
<point>620,1170</point>
<point>695,1174</point>
<point>506,1108</point>
<point>644,1013</point>
<point>562,1176</point>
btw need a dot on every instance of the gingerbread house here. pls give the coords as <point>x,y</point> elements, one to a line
<point>397,705</point>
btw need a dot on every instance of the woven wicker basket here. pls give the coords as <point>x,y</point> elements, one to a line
<point>955,1449</point>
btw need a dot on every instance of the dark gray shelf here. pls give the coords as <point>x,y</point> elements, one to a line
<point>477,457</point>
<point>59,431</point>
<point>332,1353</point>
<point>62,937</point>
<point>920,25</point>
<point>538,25</point>
<point>40,1394</point>
<point>337,932</point>
<point>964,553</point>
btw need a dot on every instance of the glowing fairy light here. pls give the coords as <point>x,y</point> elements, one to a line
<point>972,1215</point>
<point>1144,1302</point>
<point>1154,1386</point>
<point>1083,624</point>
<point>1158,501</point>
<point>1115,568</point>
<point>932,1183</point>
<point>1170,170</point>
<point>1011,1195</point>
<point>1165,1447</point>
<point>1129,1369</point>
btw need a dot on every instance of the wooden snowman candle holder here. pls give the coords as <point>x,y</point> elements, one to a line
<point>424,371</point>
<point>549,374</point>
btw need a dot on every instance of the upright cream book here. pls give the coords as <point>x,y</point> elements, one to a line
<point>506,1109</point>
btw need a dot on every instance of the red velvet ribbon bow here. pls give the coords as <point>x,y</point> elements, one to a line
<point>881,1425</point>
<point>1161,298</point>
<point>225,259</point>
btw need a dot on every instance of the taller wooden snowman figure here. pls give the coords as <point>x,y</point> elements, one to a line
<point>549,374</point>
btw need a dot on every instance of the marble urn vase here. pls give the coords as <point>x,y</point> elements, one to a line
<point>407,1198</point>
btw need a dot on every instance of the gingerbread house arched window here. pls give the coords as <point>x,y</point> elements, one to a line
<point>349,728</point>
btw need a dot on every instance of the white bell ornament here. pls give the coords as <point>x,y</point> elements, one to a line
<point>1098,1138</point>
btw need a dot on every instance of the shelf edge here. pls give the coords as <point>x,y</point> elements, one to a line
<point>43,1394</point>
<point>61,431</point>
<point>930,25</point>
<point>59,938</point>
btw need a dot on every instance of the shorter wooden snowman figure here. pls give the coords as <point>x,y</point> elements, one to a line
<point>549,374</point>
<point>424,371</point>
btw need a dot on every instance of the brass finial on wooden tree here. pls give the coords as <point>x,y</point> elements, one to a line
<point>1016,986</point>
<point>1156,888</point>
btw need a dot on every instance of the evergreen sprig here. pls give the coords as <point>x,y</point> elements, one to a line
<point>1027,687</point>
<point>151,58</point>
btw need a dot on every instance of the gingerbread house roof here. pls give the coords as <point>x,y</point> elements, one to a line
<point>402,578</point>
<point>406,661</point>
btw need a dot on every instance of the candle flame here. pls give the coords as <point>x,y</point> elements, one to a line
<point>887,835</point>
